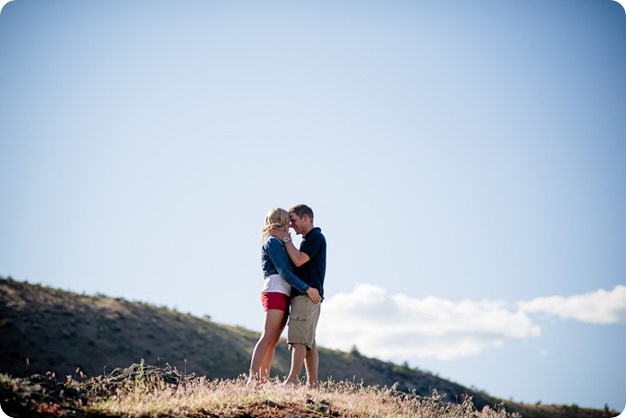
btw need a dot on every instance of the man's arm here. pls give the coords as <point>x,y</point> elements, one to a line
<point>297,257</point>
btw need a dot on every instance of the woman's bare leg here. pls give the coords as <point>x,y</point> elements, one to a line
<point>266,364</point>
<point>263,353</point>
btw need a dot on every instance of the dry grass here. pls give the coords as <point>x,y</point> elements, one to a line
<point>46,331</point>
<point>232,398</point>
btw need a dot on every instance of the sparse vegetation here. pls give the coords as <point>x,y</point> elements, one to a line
<point>148,391</point>
<point>232,398</point>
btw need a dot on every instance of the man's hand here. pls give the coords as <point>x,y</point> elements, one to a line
<point>279,233</point>
<point>314,295</point>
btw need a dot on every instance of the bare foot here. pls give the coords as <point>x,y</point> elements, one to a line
<point>253,383</point>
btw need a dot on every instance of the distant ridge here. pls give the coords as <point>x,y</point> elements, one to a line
<point>44,329</point>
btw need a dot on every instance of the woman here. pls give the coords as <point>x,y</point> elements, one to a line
<point>279,280</point>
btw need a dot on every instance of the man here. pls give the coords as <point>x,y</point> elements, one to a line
<point>310,267</point>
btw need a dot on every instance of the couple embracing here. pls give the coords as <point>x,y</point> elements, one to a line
<point>294,280</point>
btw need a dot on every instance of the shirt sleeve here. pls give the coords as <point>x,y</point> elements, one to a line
<point>311,245</point>
<point>279,258</point>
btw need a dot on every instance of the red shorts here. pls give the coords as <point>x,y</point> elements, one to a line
<point>275,300</point>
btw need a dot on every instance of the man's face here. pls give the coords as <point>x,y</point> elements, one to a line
<point>296,223</point>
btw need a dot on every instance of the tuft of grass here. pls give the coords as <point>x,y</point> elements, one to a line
<point>140,378</point>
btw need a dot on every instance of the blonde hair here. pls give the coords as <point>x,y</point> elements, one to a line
<point>276,218</point>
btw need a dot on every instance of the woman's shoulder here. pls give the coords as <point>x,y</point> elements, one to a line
<point>272,241</point>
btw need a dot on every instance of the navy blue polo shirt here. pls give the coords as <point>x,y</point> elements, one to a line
<point>313,271</point>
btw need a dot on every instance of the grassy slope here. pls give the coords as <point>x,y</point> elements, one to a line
<point>61,331</point>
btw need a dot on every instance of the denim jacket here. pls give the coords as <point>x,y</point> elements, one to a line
<point>274,260</point>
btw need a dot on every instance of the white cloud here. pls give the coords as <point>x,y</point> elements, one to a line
<point>599,307</point>
<point>2,3</point>
<point>400,327</point>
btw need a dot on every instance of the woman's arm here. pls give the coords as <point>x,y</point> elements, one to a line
<point>277,255</point>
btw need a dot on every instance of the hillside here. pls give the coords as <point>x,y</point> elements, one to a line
<point>44,329</point>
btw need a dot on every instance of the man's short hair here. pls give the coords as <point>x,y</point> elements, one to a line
<point>301,210</point>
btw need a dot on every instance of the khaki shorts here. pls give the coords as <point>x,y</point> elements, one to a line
<point>303,322</point>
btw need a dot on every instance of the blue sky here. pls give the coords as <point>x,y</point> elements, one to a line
<point>465,162</point>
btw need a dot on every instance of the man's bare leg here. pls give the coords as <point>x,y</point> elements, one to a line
<point>311,365</point>
<point>298,353</point>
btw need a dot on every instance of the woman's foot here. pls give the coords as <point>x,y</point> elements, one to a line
<point>253,381</point>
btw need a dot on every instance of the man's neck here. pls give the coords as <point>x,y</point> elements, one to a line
<point>307,231</point>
